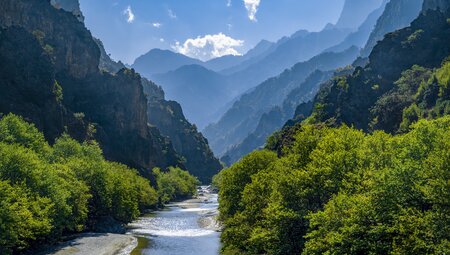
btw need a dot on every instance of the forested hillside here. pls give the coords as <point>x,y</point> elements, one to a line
<point>73,86</point>
<point>367,172</point>
<point>47,191</point>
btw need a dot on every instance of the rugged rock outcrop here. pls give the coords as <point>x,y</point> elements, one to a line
<point>442,5</point>
<point>190,144</point>
<point>243,117</point>
<point>72,6</point>
<point>351,99</point>
<point>114,104</point>
<point>356,11</point>
<point>397,14</point>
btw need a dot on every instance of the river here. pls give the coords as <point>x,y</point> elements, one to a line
<point>183,228</point>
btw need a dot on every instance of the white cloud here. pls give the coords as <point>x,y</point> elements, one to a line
<point>252,8</point>
<point>209,46</point>
<point>129,13</point>
<point>156,24</point>
<point>228,3</point>
<point>162,40</point>
<point>172,14</point>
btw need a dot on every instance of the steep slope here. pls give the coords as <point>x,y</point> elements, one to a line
<point>291,51</point>
<point>360,37</point>
<point>72,6</point>
<point>298,101</point>
<point>229,64</point>
<point>168,117</point>
<point>201,92</point>
<point>436,4</point>
<point>356,11</point>
<point>303,46</point>
<point>115,105</point>
<point>375,97</point>
<point>244,115</point>
<point>106,63</point>
<point>396,15</point>
<point>159,61</point>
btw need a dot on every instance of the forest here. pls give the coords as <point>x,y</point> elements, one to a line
<point>341,191</point>
<point>49,191</point>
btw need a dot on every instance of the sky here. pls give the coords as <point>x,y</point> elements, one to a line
<point>203,29</point>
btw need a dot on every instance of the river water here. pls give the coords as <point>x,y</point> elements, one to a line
<point>182,229</point>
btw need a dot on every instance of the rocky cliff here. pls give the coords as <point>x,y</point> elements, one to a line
<point>397,14</point>
<point>365,98</point>
<point>442,5</point>
<point>190,144</point>
<point>115,105</point>
<point>72,6</point>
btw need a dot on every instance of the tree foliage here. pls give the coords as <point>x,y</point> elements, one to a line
<point>48,191</point>
<point>341,191</point>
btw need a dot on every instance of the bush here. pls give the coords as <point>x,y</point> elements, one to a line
<point>340,191</point>
<point>47,191</point>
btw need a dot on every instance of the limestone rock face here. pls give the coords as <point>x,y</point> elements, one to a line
<point>68,41</point>
<point>53,47</point>
<point>72,6</point>
<point>443,5</point>
<point>397,14</point>
<point>168,117</point>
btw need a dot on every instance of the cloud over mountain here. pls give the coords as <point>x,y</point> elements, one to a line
<point>209,46</point>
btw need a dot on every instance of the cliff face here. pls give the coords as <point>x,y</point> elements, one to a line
<point>114,104</point>
<point>397,14</point>
<point>168,117</point>
<point>356,11</point>
<point>354,99</point>
<point>70,43</point>
<point>442,5</point>
<point>72,6</point>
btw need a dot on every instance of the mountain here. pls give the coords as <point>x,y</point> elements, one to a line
<point>72,6</point>
<point>398,85</point>
<point>356,11</point>
<point>244,115</point>
<point>287,53</point>
<point>158,61</point>
<point>360,37</point>
<point>242,73</point>
<point>304,45</point>
<point>168,117</point>
<point>106,63</point>
<point>229,64</point>
<point>436,4</point>
<point>396,15</point>
<point>298,101</point>
<point>201,92</point>
<point>64,91</point>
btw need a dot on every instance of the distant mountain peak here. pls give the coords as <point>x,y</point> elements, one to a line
<point>356,11</point>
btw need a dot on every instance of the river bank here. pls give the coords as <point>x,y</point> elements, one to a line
<point>187,227</point>
<point>94,244</point>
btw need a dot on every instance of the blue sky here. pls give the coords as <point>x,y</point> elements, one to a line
<point>201,28</point>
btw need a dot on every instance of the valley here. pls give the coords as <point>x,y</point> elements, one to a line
<point>143,128</point>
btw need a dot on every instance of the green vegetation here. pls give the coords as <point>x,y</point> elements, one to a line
<point>48,191</point>
<point>175,184</point>
<point>341,191</point>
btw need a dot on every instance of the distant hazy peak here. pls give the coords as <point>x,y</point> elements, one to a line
<point>72,6</point>
<point>260,48</point>
<point>356,11</point>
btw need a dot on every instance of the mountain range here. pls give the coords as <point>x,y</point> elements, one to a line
<point>73,87</point>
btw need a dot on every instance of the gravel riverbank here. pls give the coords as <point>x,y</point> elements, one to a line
<point>95,244</point>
